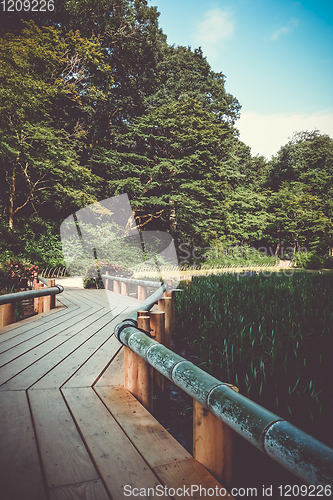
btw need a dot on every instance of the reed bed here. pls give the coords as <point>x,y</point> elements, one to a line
<point>270,336</point>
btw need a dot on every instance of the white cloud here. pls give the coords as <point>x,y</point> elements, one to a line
<point>293,23</point>
<point>265,134</point>
<point>214,30</point>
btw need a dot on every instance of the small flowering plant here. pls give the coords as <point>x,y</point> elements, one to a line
<point>18,274</point>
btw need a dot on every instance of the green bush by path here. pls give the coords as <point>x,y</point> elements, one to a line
<point>270,336</point>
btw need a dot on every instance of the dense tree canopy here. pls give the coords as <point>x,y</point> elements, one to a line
<point>300,176</point>
<point>45,92</point>
<point>95,103</point>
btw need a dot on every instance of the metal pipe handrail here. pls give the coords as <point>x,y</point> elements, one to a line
<point>297,451</point>
<point>155,284</point>
<point>42,279</point>
<point>29,294</point>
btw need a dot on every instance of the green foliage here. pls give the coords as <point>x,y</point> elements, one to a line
<point>308,260</point>
<point>185,74</point>
<point>238,255</point>
<point>271,337</point>
<point>301,204</point>
<point>95,103</point>
<point>16,274</point>
<point>93,279</point>
<point>43,85</point>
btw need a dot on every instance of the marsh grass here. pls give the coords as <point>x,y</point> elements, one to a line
<point>270,336</point>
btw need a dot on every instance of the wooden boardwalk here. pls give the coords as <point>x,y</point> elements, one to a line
<point>69,430</point>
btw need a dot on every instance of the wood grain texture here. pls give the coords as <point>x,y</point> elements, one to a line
<point>117,460</point>
<point>68,328</point>
<point>36,363</point>
<point>30,327</point>
<point>88,341</point>
<point>184,474</point>
<point>114,373</point>
<point>212,444</point>
<point>90,490</point>
<point>153,442</point>
<point>20,470</point>
<point>89,444</point>
<point>64,456</point>
<point>90,371</point>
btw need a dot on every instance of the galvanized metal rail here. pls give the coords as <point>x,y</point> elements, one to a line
<point>30,294</point>
<point>153,284</point>
<point>297,451</point>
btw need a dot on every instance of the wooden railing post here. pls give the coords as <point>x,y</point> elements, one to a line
<point>142,292</point>
<point>39,301</point>
<point>168,291</point>
<point>212,444</point>
<point>116,286</point>
<point>107,281</point>
<point>35,280</point>
<point>7,314</point>
<point>123,288</point>
<point>49,300</point>
<point>138,373</point>
<point>157,330</point>
<point>165,304</point>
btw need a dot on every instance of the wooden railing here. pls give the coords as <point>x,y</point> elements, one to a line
<point>298,452</point>
<point>120,285</point>
<point>44,293</point>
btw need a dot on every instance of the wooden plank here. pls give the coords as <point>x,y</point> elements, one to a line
<point>154,442</point>
<point>34,371</point>
<point>68,328</point>
<point>26,370</point>
<point>43,324</point>
<point>187,473</point>
<point>20,470</point>
<point>99,332</point>
<point>117,460</point>
<point>114,373</point>
<point>31,326</point>
<point>90,371</point>
<point>90,490</point>
<point>65,458</point>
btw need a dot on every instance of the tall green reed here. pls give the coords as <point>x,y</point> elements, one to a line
<point>271,336</point>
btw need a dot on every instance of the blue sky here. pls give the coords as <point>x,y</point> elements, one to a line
<point>277,56</point>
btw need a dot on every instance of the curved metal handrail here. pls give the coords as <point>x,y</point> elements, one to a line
<point>155,284</point>
<point>297,451</point>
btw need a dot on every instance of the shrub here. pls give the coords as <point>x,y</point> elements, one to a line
<point>16,274</point>
<point>92,278</point>
<point>328,262</point>
<point>308,260</point>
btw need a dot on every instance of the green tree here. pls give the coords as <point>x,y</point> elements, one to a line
<point>45,84</point>
<point>183,73</point>
<point>171,163</point>
<point>302,182</point>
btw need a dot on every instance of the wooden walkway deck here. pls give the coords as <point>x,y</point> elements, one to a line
<point>69,430</point>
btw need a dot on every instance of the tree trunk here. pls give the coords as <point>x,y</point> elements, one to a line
<point>277,252</point>
<point>173,220</point>
<point>11,199</point>
<point>130,223</point>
